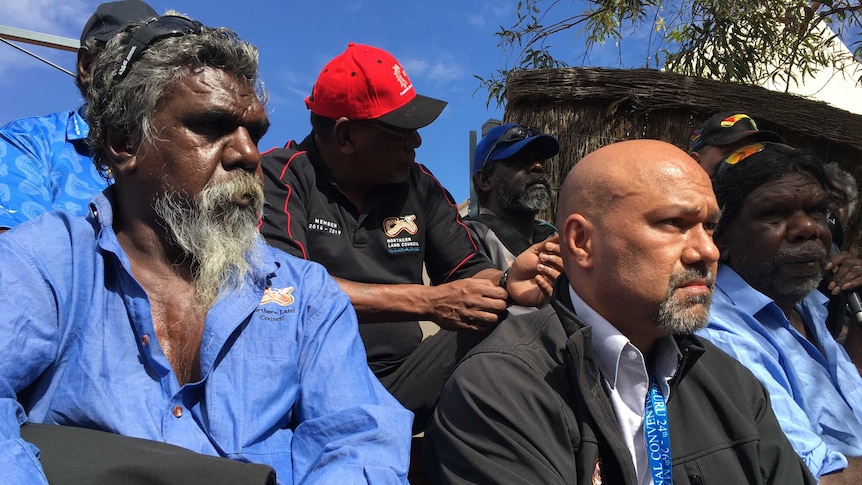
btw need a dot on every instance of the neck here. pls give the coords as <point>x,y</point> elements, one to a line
<point>344,173</point>
<point>521,221</point>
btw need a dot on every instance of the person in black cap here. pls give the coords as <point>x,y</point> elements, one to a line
<point>351,197</point>
<point>49,164</point>
<point>512,187</point>
<point>723,133</point>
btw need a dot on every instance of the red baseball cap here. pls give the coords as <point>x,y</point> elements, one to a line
<point>365,83</point>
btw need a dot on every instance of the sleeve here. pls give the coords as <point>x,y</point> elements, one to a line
<point>285,218</point>
<point>29,330</point>
<point>452,252</point>
<point>25,176</point>
<point>496,422</point>
<point>778,461</point>
<point>351,430</point>
<point>765,362</point>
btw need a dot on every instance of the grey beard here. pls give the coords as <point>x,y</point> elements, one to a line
<point>765,279</point>
<point>531,200</point>
<point>678,316</point>
<point>219,236</point>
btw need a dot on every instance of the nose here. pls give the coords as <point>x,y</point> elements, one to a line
<point>701,248</point>
<point>241,151</point>
<point>537,166</point>
<point>413,141</point>
<point>802,227</point>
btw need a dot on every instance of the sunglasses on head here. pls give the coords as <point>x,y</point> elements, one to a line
<point>746,151</point>
<point>154,30</point>
<point>513,134</point>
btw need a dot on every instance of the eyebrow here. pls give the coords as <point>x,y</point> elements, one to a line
<point>218,115</point>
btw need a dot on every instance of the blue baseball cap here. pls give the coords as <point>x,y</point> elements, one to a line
<point>507,140</point>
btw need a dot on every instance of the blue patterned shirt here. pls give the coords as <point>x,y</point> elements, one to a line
<point>45,165</point>
<point>284,381</point>
<point>816,393</point>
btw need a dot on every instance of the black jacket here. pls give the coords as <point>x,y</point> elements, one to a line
<point>528,405</point>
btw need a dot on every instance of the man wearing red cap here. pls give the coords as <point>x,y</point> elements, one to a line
<point>723,133</point>
<point>351,197</point>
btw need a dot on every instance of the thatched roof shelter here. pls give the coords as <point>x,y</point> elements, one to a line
<point>591,107</point>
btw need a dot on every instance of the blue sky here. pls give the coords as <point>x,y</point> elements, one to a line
<point>441,43</point>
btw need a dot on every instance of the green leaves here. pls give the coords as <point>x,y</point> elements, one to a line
<point>746,41</point>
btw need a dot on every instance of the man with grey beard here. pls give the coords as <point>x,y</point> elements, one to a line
<point>768,313</point>
<point>596,385</point>
<point>512,187</point>
<point>162,315</point>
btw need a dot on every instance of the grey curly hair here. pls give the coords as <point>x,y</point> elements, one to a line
<point>128,105</point>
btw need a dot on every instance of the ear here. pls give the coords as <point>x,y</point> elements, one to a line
<point>576,237</point>
<point>85,66</point>
<point>119,149</point>
<point>695,156</point>
<point>345,136</point>
<point>482,181</point>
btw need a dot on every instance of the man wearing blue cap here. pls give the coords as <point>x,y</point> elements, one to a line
<point>512,187</point>
<point>48,165</point>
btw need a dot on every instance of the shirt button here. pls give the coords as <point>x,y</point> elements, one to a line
<point>178,411</point>
<point>632,354</point>
<point>145,340</point>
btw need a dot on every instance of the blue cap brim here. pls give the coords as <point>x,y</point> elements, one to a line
<point>547,145</point>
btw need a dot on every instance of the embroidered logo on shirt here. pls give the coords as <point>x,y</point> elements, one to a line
<point>396,225</point>
<point>280,296</point>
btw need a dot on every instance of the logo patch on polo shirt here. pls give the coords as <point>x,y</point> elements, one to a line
<point>396,225</point>
<point>395,228</point>
<point>279,296</point>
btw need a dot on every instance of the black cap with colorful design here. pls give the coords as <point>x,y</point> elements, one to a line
<point>726,128</point>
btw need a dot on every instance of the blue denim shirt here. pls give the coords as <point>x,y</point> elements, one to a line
<point>45,165</point>
<point>284,374</point>
<point>816,393</point>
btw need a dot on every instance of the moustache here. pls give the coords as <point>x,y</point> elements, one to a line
<point>537,179</point>
<point>809,250</point>
<point>691,274</point>
<point>242,191</point>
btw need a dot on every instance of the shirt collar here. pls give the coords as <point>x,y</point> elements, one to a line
<point>608,345</point>
<point>76,126</point>
<point>102,214</point>
<point>748,299</point>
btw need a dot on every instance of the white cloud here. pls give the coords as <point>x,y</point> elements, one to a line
<point>492,13</point>
<point>440,71</point>
<point>65,19</point>
<point>476,20</point>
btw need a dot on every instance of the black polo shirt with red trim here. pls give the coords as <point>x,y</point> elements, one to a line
<point>401,227</point>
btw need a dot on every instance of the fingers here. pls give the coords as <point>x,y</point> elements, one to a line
<point>847,273</point>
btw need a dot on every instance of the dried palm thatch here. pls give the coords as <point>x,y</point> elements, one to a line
<point>591,107</point>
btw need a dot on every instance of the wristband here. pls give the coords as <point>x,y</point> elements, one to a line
<point>504,278</point>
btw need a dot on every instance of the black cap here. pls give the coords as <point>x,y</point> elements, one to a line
<point>110,16</point>
<point>726,128</point>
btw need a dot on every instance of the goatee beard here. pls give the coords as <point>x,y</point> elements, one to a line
<point>679,316</point>
<point>217,231</point>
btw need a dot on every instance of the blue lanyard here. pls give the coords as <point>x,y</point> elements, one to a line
<point>657,435</point>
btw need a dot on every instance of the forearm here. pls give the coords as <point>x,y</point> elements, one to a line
<point>377,303</point>
<point>465,304</point>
